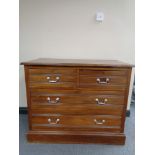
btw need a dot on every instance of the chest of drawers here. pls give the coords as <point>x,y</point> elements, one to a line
<point>77,101</point>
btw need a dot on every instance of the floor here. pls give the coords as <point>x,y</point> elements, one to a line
<point>78,149</point>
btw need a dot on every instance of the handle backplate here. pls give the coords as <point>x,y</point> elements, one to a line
<point>57,100</point>
<point>101,102</point>
<point>57,78</point>
<point>99,122</point>
<point>50,121</point>
<point>102,80</point>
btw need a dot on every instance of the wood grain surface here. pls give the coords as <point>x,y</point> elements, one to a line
<point>77,101</point>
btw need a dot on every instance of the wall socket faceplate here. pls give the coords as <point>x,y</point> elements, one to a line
<point>99,16</point>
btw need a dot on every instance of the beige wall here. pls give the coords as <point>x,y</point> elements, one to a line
<point>67,29</point>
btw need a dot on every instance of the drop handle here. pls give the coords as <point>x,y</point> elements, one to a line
<point>101,102</point>
<point>53,122</point>
<point>99,122</point>
<point>53,81</point>
<point>102,80</point>
<point>57,100</point>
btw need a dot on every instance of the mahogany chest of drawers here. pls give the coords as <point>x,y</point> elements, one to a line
<point>77,101</point>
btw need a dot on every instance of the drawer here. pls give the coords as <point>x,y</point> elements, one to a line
<point>100,79</point>
<point>52,77</point>
<point>80,110</point>
<point>89,122</point>
<point>76,99</point>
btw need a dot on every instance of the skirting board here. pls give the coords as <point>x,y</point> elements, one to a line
<point>23,110</point>
<point>74,138</point>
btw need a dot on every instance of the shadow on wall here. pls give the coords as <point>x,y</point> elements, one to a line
<point>133,93</point>
<point>22,89</point>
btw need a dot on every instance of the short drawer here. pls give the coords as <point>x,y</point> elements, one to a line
<point>80,110</point>
<point>52,77</point>
<point>103,79</point>
<point>89,122</point>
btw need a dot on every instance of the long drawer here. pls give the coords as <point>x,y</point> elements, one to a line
<point>76,99</point>
<point>89,122</point>
<point>78,110</point>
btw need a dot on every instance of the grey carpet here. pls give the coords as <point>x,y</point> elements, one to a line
<point>78,149</point>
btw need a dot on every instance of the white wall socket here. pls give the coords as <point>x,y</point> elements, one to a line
<point>99,16</point>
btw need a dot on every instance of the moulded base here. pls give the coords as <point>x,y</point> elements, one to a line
<point>81,137</point>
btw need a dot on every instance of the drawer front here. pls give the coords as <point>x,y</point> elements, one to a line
<point>76,100</point>
<point>100,122</point>
<point>52,77</point>
<point>103,79</point>
<point>82,110</point>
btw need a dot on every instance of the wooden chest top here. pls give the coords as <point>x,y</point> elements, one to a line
<point>76,62</point>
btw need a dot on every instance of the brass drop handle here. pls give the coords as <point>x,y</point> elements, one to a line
<point>53,102</point>
<point>101,102</point>
<point>99,122</point>
<point>103,80</point>
<point>53,81</point>
<point>56,121</point>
